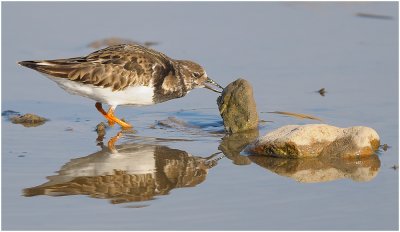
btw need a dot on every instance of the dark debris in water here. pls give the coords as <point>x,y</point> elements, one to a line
<point>295,115</point>
<point>28,120</point>
<point>135,206</point>
<point>374,16</point>
<point>264,122</point>
<point>322,92</point>
<point>10,113</point>
<point>395,167</point>
<point>385,147</point>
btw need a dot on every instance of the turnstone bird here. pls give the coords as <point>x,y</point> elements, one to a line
<point>125,75</point>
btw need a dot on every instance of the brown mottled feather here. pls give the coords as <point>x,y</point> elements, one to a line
<point>117,67</point>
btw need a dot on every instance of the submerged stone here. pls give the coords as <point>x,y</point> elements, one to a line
<point>238,107</point>
<point>313,140</point>
<point>28,120</point>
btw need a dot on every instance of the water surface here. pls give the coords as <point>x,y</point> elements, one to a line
<point>286,50</point>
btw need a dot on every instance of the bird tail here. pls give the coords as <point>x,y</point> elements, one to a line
<point>30,64</point>
<point>55,68</point>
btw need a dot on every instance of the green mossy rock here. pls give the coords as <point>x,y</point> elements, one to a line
<point>238,107</point>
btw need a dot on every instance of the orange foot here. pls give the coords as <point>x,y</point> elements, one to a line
<point>110,116</point>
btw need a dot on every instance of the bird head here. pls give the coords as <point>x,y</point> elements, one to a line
<point>195,76</point>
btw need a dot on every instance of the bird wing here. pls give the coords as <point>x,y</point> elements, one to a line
<point>115,67</point>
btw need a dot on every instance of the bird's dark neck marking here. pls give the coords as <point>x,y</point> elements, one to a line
<point>171,85</point>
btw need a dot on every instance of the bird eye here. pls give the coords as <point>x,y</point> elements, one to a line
<point>196,74</point>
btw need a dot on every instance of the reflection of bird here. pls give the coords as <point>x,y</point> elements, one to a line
<point>125,75</point>
<point>126,173</point>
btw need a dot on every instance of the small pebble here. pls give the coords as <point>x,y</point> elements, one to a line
<point>28,120</point>
<point>264,122</point>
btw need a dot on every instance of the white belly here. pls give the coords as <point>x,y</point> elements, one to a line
<point>137,95</point>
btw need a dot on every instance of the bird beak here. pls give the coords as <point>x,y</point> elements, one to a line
<point>210,84</point>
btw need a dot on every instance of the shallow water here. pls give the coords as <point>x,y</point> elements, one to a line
<point>286,50</point>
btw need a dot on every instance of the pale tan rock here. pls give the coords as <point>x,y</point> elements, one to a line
<point>313,140</point>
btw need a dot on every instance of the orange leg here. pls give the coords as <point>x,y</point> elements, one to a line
<point>111,113</point>
<point>110,116</point>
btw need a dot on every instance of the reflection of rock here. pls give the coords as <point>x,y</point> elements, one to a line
<point>115,41</point>
<point>131,172</point>
<point>28,120</point>
<point>232,144</point>
<point>320,169</point>
<point>101,131</point>
<point>237,107</point>
<point>312,140</point>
